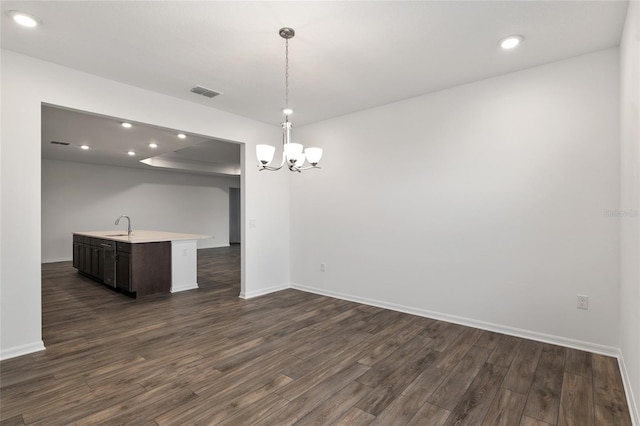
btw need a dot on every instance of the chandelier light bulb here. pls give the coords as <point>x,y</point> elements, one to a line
<point>287,111</point>
<point>313,155</point>
<point>265,153</point>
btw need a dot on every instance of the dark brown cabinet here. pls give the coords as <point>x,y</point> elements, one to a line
<point>137,269</point>
<point>123,267</point>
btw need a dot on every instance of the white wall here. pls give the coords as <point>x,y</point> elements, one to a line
<point>483,204</point>
<point>85,197</point>
<point>26,84</point>
<point>630,204</point>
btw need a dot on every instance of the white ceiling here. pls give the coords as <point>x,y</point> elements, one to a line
<point>346,55</point>
<point>109,143</point>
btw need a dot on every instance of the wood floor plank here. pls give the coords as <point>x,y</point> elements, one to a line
<point>334,366</point>
<point>506,409</point>
<point>257,410</point>
<point>214,408</point>
<point>395,383</point>
<point>578,362</point>
<point>609,395</point>
<point>488,339</point>
<point>528,421</point>
<point>390,344</point>
<point>458,348</point>
<point>13,421</point>
<point>354,417</point>
<point>543,402</point>
<point>474,404</point>
<point>336,405</point>
<point>76,405</point>
<point>417,346</point>
<point>303,404</point>
<point>427,381</point>
<point>442,333</point>
<point>576,401</point>
<point>430,415</point>
<point>206,356</point>
<point>448,394</point>
<point>523,367</point>
<point>402,409</point>
<point>505,351</point>
<point>134,410</point>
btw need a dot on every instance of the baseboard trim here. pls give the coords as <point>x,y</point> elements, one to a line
<point>631,400</point>
<point>58,259</point>
<point>22,350</point>
<point>184,287</point>
<point>512,331</point>
<point>215,246</point>
<point>263,291</point>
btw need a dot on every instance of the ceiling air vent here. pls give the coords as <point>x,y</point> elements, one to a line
<point>205,92</point>
<point>60,143</point>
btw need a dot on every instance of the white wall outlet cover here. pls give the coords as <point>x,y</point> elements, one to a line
<point>583,302</point>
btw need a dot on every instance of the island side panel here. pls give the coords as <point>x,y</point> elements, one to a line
<point>151,268</point>
<point>184,265</point>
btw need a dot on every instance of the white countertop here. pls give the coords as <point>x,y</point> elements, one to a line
<point>142,236</point>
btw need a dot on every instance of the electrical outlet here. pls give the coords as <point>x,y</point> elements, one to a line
<point>583,302</point>
<point>322,267</point>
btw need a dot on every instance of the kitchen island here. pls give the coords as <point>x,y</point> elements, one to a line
<point>145,262</point>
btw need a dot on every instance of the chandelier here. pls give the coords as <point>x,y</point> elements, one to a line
<point>293,154</point>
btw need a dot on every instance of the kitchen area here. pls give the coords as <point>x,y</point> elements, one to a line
<point>138,263</point>
<point>173,208</point>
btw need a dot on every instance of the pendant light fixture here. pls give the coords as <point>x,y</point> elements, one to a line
<point>293,154</point>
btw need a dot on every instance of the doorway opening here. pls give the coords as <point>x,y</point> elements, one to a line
<point>88,180</point>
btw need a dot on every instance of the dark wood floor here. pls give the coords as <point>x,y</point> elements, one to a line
<point>207,357</point>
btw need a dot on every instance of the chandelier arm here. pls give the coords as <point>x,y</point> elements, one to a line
<point>269,168</point>
<point>272,168</point>
<point>307,168</point>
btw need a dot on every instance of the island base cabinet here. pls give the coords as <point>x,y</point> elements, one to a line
<point>138,269</point>
<point>143,268</point>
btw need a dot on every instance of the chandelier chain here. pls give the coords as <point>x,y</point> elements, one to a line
<point>286,74</point>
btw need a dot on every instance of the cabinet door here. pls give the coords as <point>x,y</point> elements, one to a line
<point>109,263</point>
<point>123,271</point>
<point>76,254</point>
<point>85,265</point>
<point>97,263</point>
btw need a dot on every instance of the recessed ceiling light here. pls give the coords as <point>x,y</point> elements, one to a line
<point>131,153</point>
<point>85,147</point>
<point>182,135</point>
<point>24,19</point>
<point>511,41</point>
<point>126,125</point>
<point>153,145</point>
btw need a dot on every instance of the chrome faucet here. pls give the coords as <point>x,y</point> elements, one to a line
<point>129,230</point>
